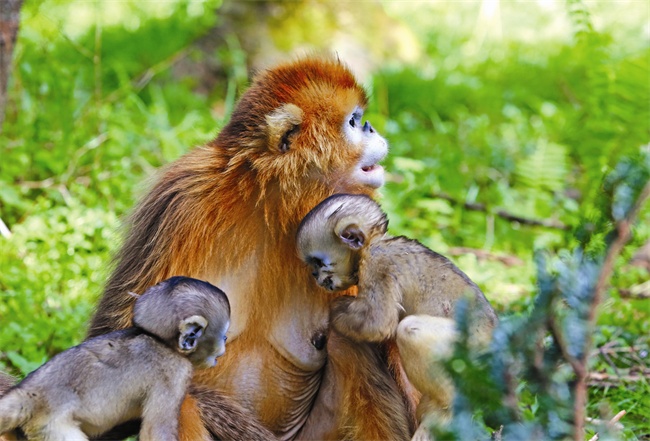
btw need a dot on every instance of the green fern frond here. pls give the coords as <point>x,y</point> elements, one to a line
<point>580,17</point>
<point>545,169</point>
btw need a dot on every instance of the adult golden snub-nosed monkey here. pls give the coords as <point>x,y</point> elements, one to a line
<point>227,212</point>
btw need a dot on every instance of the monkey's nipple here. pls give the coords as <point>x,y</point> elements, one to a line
<point>319,339</point>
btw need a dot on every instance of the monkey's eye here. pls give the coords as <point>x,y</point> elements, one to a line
<point>316,262</point>
<point>225,338</point>
<point>285,142</point>
<point>355,120</point>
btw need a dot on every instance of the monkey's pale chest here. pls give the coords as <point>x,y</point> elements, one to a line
<point>274,359</point>
<point>277,377</point>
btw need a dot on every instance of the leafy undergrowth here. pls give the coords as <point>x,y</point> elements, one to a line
<point>495,154</point>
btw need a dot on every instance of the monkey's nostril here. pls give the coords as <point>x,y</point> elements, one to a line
<point>368,128</point>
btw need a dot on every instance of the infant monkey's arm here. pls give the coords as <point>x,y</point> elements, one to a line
<point>374,313</point>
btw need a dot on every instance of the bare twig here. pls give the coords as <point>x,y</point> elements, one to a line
<point>617,417</point>
<point>614,422</point>
<point>144,78</point>
<point>37,185</point>
<point>483,254</point>
<point>74,161</point>
<point>65,194</point>
<point>613,348</point>
<point>601,376</point>
<point>609,361</point>
<point>641,291</point>
<point>476,206</point>
<point>557,335</point>
<point>497,435</point>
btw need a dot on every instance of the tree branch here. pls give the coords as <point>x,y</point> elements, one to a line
<point>476,206</point>
<point>556,333</point>
<point>483,254</point>
<point>641,291</point>
<point>9,21</point>
<point>623,234</point>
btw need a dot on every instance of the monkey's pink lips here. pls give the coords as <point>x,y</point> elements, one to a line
<point>371,175</point>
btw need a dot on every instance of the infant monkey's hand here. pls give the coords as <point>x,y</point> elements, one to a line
<point>361,319</point>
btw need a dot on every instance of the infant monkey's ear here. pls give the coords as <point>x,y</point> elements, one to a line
<point>350,233</point>
<point>191,329</point>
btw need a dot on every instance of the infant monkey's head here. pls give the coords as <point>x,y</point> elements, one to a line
<point>332,235</point>
<point>190,315</point>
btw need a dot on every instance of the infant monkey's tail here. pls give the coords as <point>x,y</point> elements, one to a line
<point>15,410</point>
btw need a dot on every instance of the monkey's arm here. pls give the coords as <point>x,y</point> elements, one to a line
<point>162,405</point>
<point>371,316</point>
<point>222,416</point>
<point>358,399</point>
<point>206,414</point>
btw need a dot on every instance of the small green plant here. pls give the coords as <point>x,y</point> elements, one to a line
<point>532,382</point>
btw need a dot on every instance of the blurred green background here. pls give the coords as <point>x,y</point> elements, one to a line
<point>502,117</point>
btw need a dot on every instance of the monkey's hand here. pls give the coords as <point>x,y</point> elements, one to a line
<point>360,319</point>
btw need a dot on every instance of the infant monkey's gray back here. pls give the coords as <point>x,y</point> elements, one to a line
<point>333,209</point>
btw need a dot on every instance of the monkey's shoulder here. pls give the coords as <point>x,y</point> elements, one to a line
<point>400,249</point>
<point>419,269</point>
<point>118,350</point>
<point>438,282</point>
<point>127,345</point>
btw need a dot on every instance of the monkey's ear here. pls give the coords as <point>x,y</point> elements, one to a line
<point>282,123</point>
<point>191,329</point>
<point>351,235</point>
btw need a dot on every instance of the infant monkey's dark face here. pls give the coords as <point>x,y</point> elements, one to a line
<point>332,266</point>
<point>213,345</point>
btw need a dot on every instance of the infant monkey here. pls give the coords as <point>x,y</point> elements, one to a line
<point>139,372</point>
<point>344,241</point>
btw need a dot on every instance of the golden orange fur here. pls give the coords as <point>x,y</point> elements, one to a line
<point>227,212</point>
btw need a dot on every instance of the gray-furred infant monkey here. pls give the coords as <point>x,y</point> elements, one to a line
<point>139,372</point>
<point>405,291</point>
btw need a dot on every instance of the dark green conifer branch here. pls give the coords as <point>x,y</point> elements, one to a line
<point>542,357</point>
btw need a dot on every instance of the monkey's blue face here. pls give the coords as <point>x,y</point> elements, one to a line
<point>333,268</point>
<point>211,346</point>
